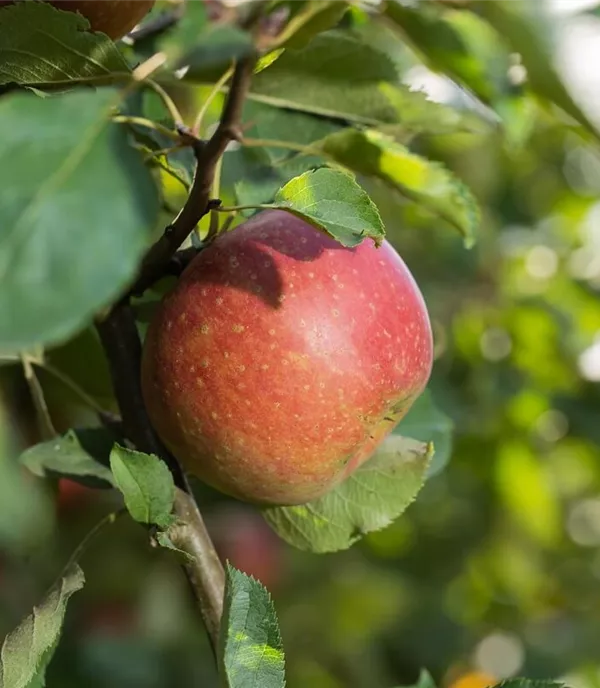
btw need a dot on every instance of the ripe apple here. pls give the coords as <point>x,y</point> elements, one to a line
<point>72,495</point>
<point>243,538</point>
<point>112,17</point>
<point>281,359</point>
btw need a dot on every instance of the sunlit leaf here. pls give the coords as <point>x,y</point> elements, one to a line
<point>529,31</point>
<point>250,647</point>
<point>370,499</point>
<point>428,183</point>
<point>315,79</point>
<point>333,201</point>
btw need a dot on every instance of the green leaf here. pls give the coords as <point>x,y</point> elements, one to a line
<point>338,76</point>
<point>425,422</point>
<point>256,179</point>
<point>456,43</point>
<point>316,79</point>
<point>315,17</point>
<point>80,454</point>
<point>214,51</point>
<point>147,485</point>
<point>43,46</point>
<point>271,123</point>
<point>368,500</point>
<point>334,202</point>
<point>250,647</point>
<point>77,209</point>
<point>528,29</point>
<point>27,651</point>
<point>182,37</point>
<point>427,183</point>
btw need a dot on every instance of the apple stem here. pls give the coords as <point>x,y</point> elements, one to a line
<point>120,339</point>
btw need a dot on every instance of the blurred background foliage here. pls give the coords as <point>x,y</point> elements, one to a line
<point>495,570</point>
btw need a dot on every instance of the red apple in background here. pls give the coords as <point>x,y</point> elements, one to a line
<point>281,359</point>
<point>112,17</point>
<point>72,495</point>
<point>243,538</point>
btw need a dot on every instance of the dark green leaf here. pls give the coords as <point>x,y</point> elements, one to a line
<point>79,454</point>
<point>185,35</point>
<point>250,647</point>
<point>214,51</point>
<point>334,202</point>
<point>315,17</point>
<point>370,499</point>
<point>77,208</point>
<point>425,422</point>
<point>40,45</point>
<point>27,651</point>
<point>256,179</point>
<point>316,79</point>
<point>428,183</point>
<point>527,28</point>
<point>271,123</point>
<point>82,360</point>
<point>147,485</point>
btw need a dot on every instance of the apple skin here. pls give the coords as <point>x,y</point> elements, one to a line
<point>115,18</point>
<point>281,359</point>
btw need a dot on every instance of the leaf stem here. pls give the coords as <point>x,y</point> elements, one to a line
<point>174,112</point>
<point>209,99</point>
<point>237,208</point>
<point>44,420</point>
<point>149,124</point>
<point>109,519</point>
<point>275,143</point>
<point>73,386</point>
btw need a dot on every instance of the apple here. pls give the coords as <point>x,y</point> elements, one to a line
<point>281,359</point>
<point>112,17</point>
<point>243,538</point>
<point>72,495</point>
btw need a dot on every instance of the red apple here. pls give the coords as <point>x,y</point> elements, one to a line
<point>72,495</point>
<point>243,538</point>
<point>281,359</point>
<point>112,17</point>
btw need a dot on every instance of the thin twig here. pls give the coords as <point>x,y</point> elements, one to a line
<point>108,520</point>
<point>198,202</point>
<point>176,116</point>
<point>204,570</point>
<point>148,124</point>
<point>209,99</point>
